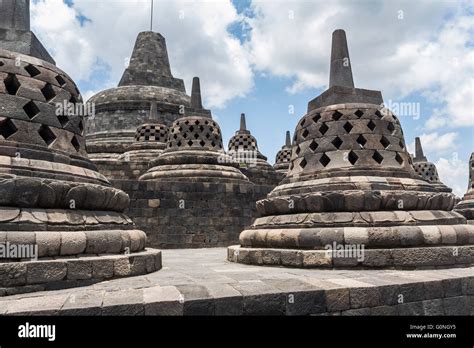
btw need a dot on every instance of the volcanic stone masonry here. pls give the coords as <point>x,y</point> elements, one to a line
<point>466,206</point>
<point>194,195</point>
<point>351,184</point>
<point>282,159</point>
<point>51,195</point>
<point>119,111</point>
<point>243,147</point>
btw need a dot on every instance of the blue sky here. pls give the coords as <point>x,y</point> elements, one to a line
<point>264,58</point>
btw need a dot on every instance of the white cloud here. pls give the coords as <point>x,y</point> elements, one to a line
<point>399,47</point>
<point>453,173</point>
<point>436,143</point>
<point>196,33</point>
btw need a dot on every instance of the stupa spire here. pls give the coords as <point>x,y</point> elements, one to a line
<point>341,71</point>
<point>419,155</point>
<point>15,14</point>
<point>15,33</point>
<point>243,123</point>
<point>288,139</point>
<point>196,101</point>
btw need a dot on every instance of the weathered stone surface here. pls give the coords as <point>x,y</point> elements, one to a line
<point>45,271</point>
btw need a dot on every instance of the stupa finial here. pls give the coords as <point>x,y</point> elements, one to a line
<point>419,155</point>
<point>196,102</point>
<point>243,124</point>
<point>288,139</point>
<point>341,71</point>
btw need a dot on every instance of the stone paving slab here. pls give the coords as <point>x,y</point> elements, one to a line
<point>203,282</point>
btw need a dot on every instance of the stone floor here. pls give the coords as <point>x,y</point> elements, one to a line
<point>202,282</point>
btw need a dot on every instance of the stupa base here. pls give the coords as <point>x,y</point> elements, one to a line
<point>68,271</point>
<point>396,258</point>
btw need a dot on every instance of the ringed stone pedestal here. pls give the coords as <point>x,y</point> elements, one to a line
<point>351,197</point>
<point>54,205</point>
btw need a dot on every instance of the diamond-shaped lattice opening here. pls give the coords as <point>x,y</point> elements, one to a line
<point>185,135</point>
<point>48,92</point>
<point>324,160</point>
<point>191,128</point>
<point>391,127</point>
<point>401,144</point>
<point>303,163</point>
<point>359,113</point>
<point>60,80</point>
<point>317,117</point>
<point>196,122</point>
<point>7,128</point>
<point>377,157</point>
<point>348,127</point>
<point>305,133</point>
<point>385,142</point>
<point>399,158</point>
<point>81,126</point>
<point>323,129</point>
<point>63,120</point>
<point>176,136</point>
<point>32,70</point>
<point>313,146</point>
<point>186,122</point>
<point>352,157</point>
<point>73,99</point>
<point>213,144</point>
<point>378,114</point>
<point>302,122</point>
<point>202,143</point>
<point>196,135</point>
<point>46,134</point>
<point>179,143</point>
<point>211,129</point>
<point>75,143</point>
<point>361,141</point>
<point>336,115</point>
<point>190,143</point>
<point>298,150</point>
<point>2,63</point>
<point>201,128</point>
<point>371,125</point>
<point>31,109</point>
<point>12,84</point>
<point>337,142</point>
<point>208,135</point>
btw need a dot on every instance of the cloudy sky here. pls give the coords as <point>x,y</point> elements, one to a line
<point>269,58</point>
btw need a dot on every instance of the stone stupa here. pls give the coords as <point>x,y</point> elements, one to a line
<point>52,197</point>
<point>282,158</point>
<point>466,205</point>
<point>197,197</point>
<point>351,185</point>
<point>244,149</point>
<point>423,167</point>
<point>119,111</point>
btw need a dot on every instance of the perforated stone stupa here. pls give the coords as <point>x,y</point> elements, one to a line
<point>119,111</point>
<point>466,205</point>
<point>244,149</point>
<point>282,158</point>
<point>350,185</point>
<point>52,197</point>
<point>194,195</point>
<point>423,167</point>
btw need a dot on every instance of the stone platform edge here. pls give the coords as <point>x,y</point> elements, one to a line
<point>448,296</point>
<point>67,272</point>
